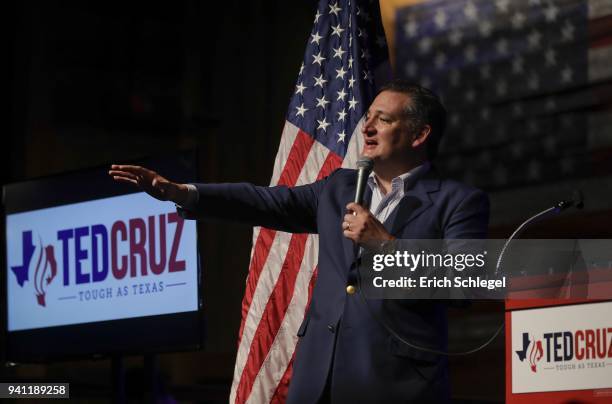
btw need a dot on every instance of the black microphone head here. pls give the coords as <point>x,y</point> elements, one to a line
<point>578,199</point>
<point>365,163</point>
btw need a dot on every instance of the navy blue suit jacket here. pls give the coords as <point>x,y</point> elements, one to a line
<point>339,337</point>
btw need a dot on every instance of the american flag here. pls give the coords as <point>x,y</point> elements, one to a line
<point>527,83</point>
<point>345,60</point>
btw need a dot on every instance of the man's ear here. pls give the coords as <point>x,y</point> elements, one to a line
<point>422,136</point>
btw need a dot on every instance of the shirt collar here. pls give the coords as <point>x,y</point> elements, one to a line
<point>406,179</point>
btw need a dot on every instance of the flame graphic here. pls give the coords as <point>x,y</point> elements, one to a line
<point>535,354</point>
<point>41,279</point>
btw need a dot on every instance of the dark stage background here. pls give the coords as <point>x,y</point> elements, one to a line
<point>96,83</point>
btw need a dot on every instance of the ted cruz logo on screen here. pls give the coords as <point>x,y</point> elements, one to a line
<point>146,246</point>
<point>567,350</point>
<point>532,350</point>
<point>45,267</point>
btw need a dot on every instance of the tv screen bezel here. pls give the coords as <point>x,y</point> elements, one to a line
<point>132,336</point>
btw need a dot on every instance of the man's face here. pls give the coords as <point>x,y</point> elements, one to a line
<point>386,132</point>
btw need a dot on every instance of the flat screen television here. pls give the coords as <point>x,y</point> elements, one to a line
<point>94,267</point>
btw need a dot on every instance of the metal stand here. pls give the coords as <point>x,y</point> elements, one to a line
<point>118,380</point>
<point>150,382</point>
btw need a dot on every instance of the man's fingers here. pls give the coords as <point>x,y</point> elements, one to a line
<point>355,207</point>
<point>124,167</point>
<point>125,180</point>
<point>123,174</point>
<point>136,170</point>
<point>349,217</point>
<point>349,234</point>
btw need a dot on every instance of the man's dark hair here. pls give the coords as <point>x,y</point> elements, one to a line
<point>425,109</point>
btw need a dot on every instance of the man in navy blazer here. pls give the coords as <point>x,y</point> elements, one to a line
<point>344,353</point>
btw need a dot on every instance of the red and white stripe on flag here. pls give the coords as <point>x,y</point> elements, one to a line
<point>280,282</point>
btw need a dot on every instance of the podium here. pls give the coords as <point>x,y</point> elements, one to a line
<point>559,339</point>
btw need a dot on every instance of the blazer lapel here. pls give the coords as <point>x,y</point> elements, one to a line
<point>415,201</point>
<point>367,197</point>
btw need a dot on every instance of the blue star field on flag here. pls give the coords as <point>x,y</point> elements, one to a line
<point>336,80</point>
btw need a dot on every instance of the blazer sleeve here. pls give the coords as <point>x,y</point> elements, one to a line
<point>289,209</point>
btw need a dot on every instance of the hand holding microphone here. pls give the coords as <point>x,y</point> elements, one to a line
<point>359,224</point>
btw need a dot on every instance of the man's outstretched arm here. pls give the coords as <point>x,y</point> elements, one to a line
<point>281,208</point>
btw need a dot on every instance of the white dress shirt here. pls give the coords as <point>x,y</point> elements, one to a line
<point>382,205</point>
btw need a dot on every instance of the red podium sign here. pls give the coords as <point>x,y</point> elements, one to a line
<point>556,351</point>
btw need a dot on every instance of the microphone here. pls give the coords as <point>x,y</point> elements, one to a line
<point>364,168</point>
<point>576,200</point>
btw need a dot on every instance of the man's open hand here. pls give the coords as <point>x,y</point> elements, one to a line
<point>362,227</point>
<point>150,182</point>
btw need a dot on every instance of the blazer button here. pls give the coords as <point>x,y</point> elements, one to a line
<point>350,289</point>
<point>331,328</point>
